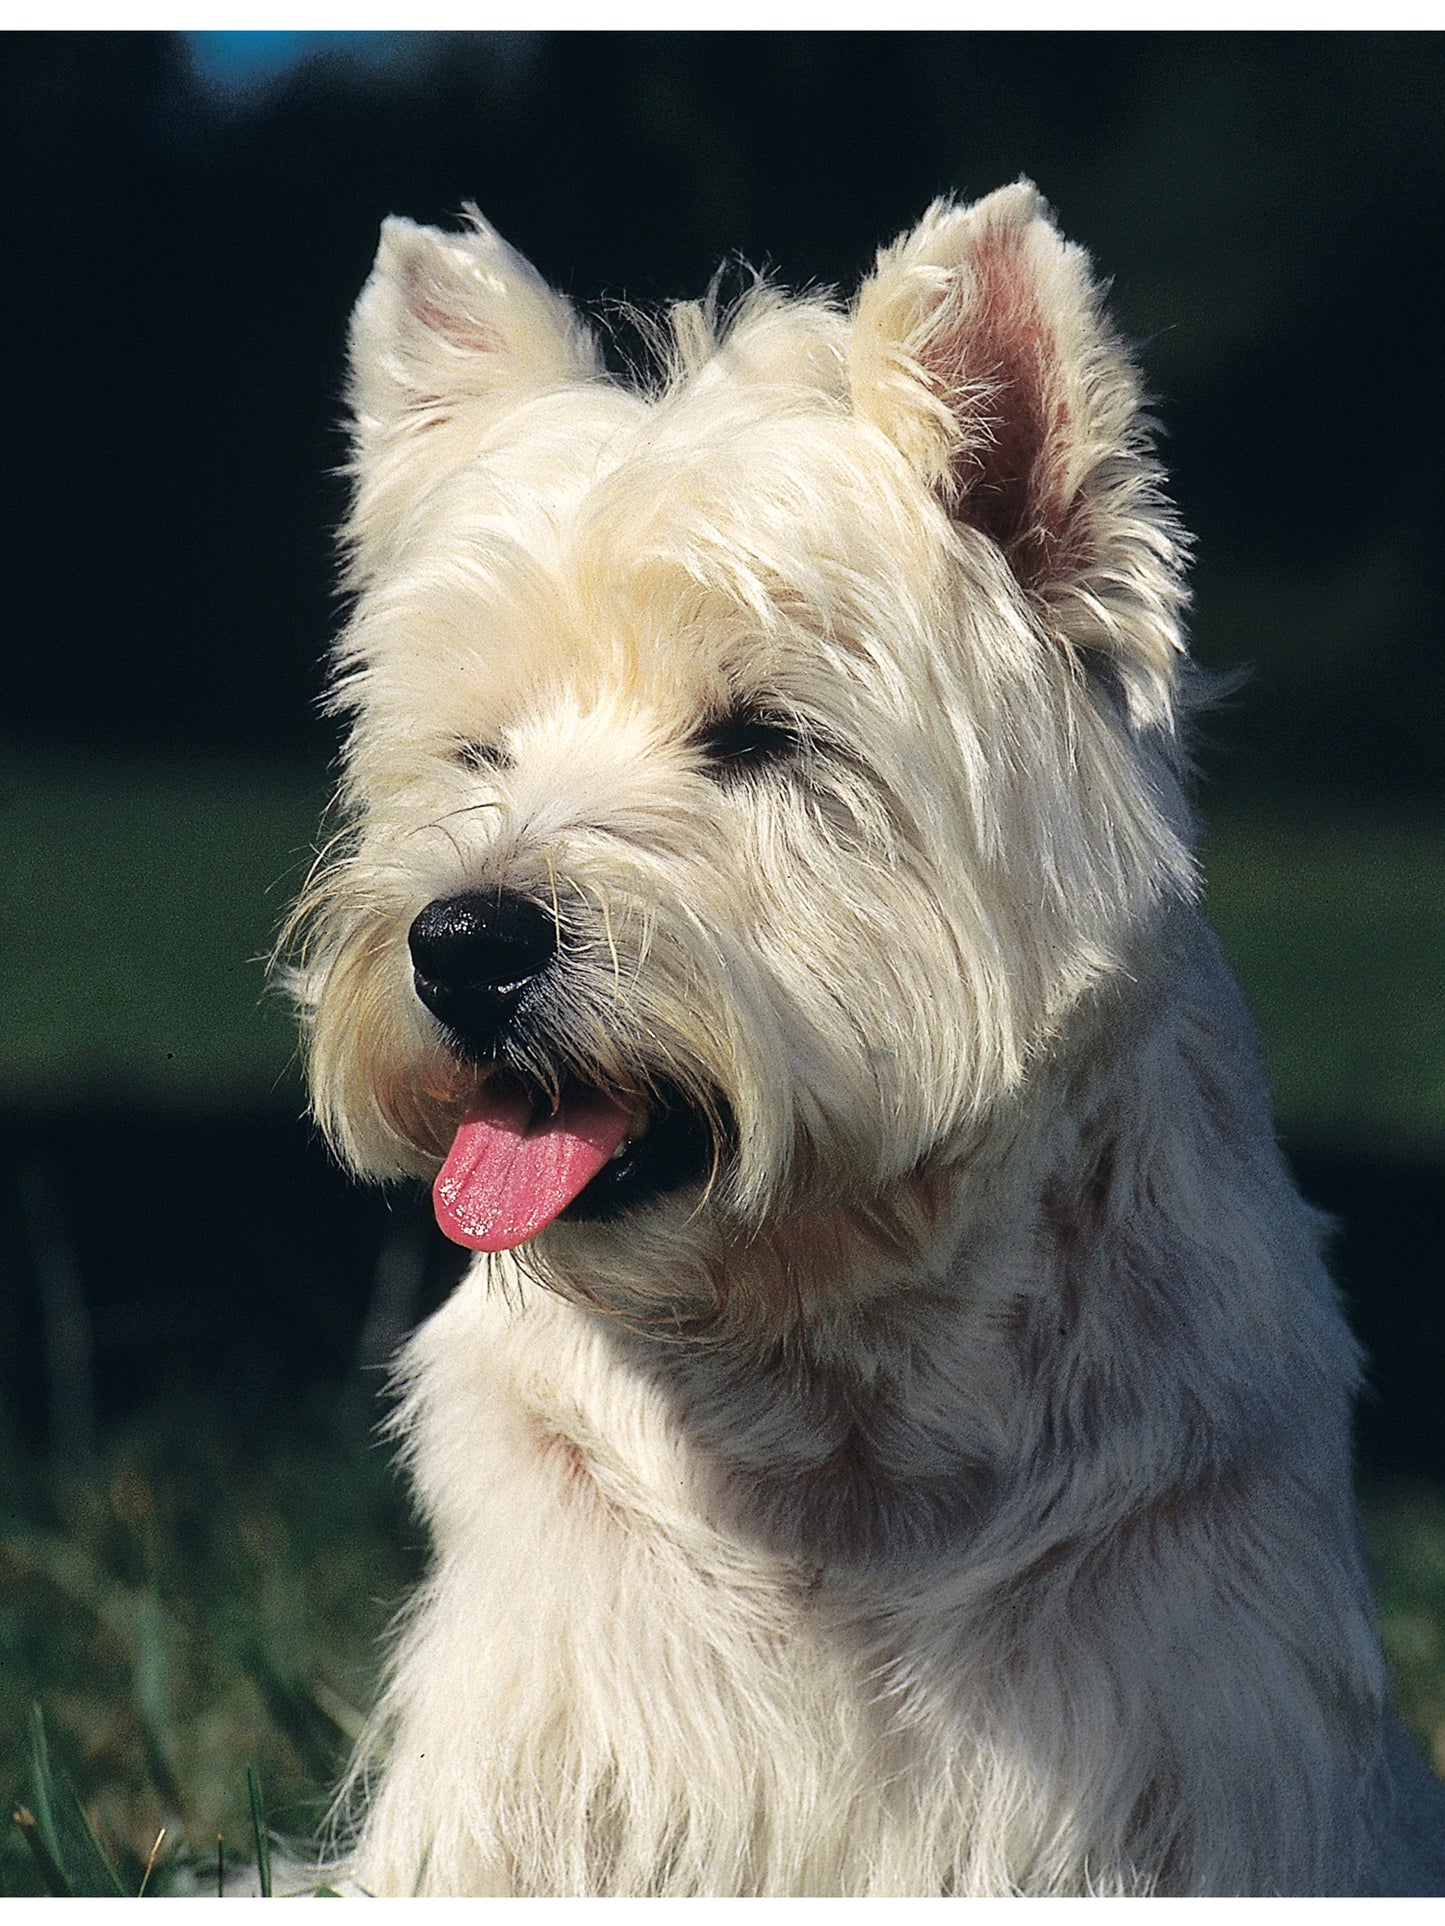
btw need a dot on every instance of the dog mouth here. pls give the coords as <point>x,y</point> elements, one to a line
<point>522,1159</point>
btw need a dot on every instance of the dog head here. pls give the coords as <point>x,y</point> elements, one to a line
<point>747,777</point>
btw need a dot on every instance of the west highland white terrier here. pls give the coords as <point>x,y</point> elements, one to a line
<point>895,1435</point>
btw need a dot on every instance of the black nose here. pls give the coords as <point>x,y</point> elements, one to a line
<point>476,956</point>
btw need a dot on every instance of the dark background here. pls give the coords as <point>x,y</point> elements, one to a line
<point>187,221</point>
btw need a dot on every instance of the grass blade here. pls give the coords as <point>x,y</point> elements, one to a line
<point>42,1788</point>
<point>151,1863</point>
<point>51,1877</point>
<point>81,1862</point>
<point>151,1661</point>
<point>101,1880</point>
<point>258,1827</point>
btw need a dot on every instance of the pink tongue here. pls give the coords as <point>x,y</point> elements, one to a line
<point>509,1171</point>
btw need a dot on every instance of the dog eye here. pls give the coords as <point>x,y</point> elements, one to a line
<point>746,740</point>
<point>481,755</point>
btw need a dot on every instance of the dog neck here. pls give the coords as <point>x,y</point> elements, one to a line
<point>868,1379</point>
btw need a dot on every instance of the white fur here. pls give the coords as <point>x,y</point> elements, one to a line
<point>951,1495</point>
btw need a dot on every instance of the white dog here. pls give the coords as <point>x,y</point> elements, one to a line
<point>896,1438</point>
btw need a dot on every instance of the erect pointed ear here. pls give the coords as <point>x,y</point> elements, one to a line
<point>980,348</point>
<point>447,318</point>
<point>447,328</point>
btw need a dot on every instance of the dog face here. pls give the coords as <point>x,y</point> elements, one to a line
<point>747,780</point>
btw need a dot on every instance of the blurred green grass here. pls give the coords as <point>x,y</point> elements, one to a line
<point>1335,924</point>
<point>140,898</point>
<point>190,1608</point>
<point>1405,1532</point>
<point>139,902</point>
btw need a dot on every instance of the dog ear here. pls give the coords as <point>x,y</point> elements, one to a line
<point>448,328</point>
<point>981,349</point>
<point>450,318</point>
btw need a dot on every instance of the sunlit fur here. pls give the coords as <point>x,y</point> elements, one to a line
<point>950,1494</point>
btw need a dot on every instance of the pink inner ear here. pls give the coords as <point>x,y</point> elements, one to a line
<point>992,355</point>
<point>458,330</point>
